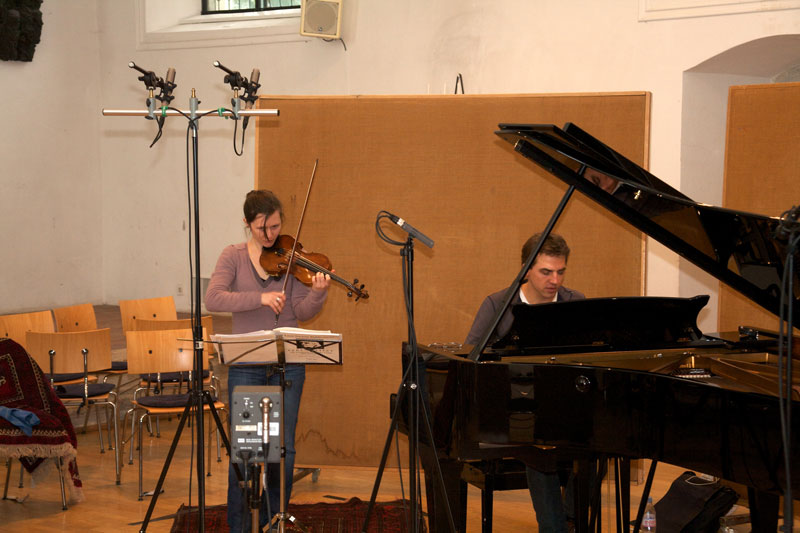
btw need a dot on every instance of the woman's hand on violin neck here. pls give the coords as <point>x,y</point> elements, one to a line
<point>274,300</point>
<point>320,282</point>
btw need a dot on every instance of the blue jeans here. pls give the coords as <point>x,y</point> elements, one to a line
<point>238,513</point>
<point>545,489</point>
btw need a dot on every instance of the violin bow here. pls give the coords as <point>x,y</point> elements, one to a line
<point>297,235</point>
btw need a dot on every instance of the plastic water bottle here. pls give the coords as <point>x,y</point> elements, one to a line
<point>649,519</point>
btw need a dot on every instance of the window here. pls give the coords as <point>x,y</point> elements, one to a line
<point>212,7</point>
<point>175,24</point>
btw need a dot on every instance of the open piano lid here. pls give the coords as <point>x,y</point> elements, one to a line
<point>738,248</point>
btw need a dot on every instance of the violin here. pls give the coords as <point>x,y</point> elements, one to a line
<point>275,261</point>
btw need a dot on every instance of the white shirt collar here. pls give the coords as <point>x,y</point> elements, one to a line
<point>525,300</point>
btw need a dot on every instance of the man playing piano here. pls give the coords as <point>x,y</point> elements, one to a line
<point>542,284</point>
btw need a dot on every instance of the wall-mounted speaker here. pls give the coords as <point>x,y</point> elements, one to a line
<point>321,18</point>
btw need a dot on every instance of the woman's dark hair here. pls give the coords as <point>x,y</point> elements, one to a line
<point>261,202</point>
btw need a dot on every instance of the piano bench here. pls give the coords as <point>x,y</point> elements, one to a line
<point>492,475</point>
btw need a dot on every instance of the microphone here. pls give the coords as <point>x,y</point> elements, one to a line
<point>167,87</point>
<point>233,77</point>
<point>266,406</point>
<point>788,224</point>
<point>149,77</point>
<point>250,93</point>
<point>252,88</point>
<point>411,230</point>
<point>170,77</point>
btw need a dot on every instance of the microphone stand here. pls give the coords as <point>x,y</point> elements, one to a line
<point>197,395</point>
<point>410,387</point>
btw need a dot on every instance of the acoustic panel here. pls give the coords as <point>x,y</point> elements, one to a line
<point>436,162</point>
<point>762,162</point>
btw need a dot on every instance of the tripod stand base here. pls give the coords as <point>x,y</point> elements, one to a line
<point>281,518</point>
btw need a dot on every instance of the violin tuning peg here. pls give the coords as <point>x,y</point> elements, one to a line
<point>349,294</point>
<point>355,281</point>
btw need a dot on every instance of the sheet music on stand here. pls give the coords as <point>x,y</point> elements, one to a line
<point>306,346</point>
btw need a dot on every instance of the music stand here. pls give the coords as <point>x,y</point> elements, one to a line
<point>270,348</point>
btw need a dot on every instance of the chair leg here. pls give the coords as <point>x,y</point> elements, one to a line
<point>122,439</point>
<point>117,459</point>
<point>141,490</point>
<point>108,424</point>
<point>21,476</point>
<point>219,449</point>
<point>8,477</point>
<point>133,432</point>
<point>208,438</point>
<point>99,427</point>
<point>59,465</point>
<point>86,418</point>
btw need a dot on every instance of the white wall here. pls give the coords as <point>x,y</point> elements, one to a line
<point>412,47</point>
<point>51,190</point>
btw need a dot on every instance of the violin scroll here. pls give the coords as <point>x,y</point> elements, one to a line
<point>362,293</point>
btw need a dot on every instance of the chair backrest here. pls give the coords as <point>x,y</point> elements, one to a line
<point>79,317</point>
<point>162,308</point>
<point>68,346</point>
<point>143,324</point>
<point>16,326</point>
<point>163,350</point>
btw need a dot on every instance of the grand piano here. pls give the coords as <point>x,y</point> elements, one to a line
<point>628,377</point>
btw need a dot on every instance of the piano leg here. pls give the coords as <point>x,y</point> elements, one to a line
<point>763,511</point>
<point>623,492</point>
<point>455,494</point>
<point>487,507</point>
<point>588,479</point>
<point>581,492</point>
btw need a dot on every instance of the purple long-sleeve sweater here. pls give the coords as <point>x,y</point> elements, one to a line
<point>235,287</point>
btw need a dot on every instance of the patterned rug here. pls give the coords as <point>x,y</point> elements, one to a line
<point>345,517</point>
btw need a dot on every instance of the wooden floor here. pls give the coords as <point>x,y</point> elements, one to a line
<point>110,507</point>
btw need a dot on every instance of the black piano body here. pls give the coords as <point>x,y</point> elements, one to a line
<point>627,404</point>
<point>625,377</point>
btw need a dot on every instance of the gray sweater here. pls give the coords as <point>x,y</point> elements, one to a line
<point>235,287</point>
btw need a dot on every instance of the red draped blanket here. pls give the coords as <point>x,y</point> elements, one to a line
<point>23,385</point>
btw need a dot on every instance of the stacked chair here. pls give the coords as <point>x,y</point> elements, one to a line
<point>160,352</point>
<point>82,353</point>
<point>70,359</point>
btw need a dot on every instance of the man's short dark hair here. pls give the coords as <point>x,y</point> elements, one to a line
<point>554,245</point>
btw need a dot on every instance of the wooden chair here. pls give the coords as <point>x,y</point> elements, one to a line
<point>183,323</point>
<point>152,309</point>
<point>78,317</point>
<point>53,438</point>
<point>154,352</point>
<point>161,308</point>
<point>81,317</point>
<point>15,327</point>
<point>158,308</point>
<point>80,352</point>
<point>146,324</point>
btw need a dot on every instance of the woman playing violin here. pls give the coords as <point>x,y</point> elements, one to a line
<point>241,286</point>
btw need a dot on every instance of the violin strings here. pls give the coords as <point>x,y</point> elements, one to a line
<point>307,263</point>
